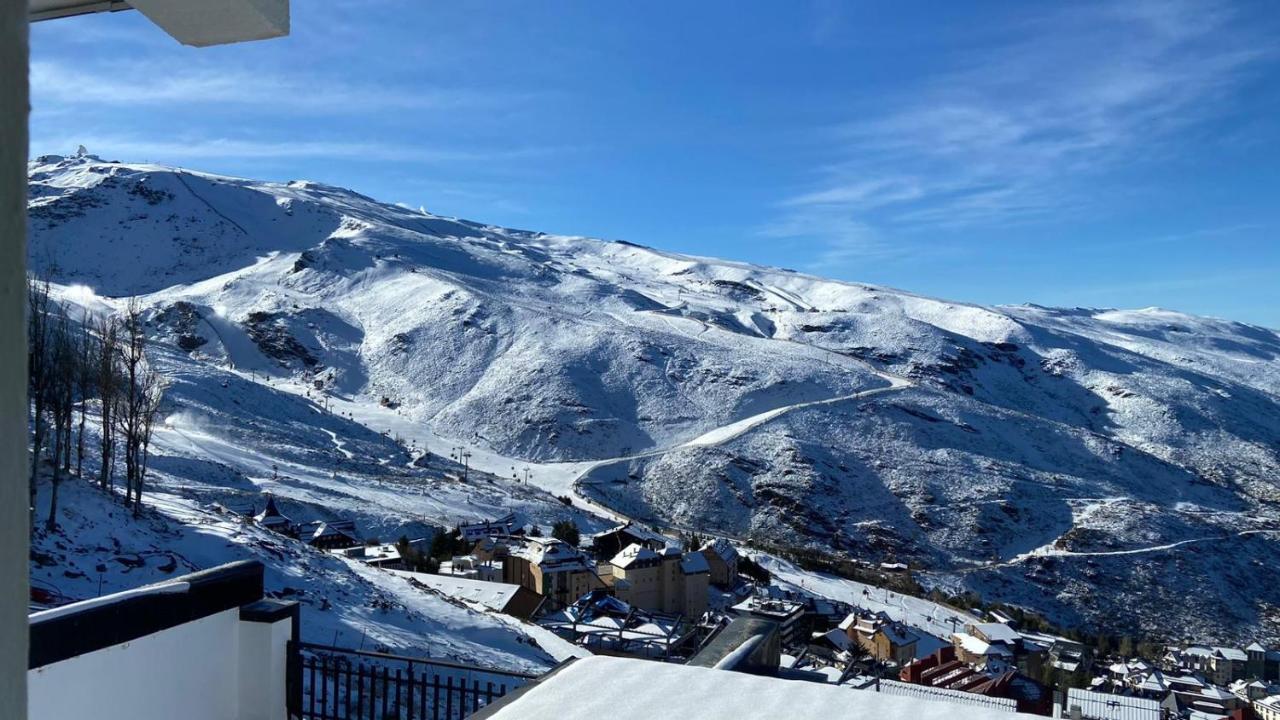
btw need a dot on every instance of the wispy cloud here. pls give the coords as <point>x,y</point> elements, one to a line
<point>1021,132</point>
<point>204,148</point>
<point>58,84</point>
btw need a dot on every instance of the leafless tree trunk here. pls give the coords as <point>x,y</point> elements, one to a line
<point>137,403</point>
<point>108,389</point>
<point>153,393</point>
<point>38,375</point>
<point>86,369</point>
<point>62,381</point>
<point>129,405</point>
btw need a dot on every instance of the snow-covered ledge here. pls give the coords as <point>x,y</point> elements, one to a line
<point>203,646</point>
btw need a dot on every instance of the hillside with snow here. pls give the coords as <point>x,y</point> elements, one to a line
<point>1116,469</point>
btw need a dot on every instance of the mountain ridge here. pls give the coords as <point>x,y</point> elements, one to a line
<point>1016,427</point>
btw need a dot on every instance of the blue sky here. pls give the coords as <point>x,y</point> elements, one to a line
<point>1105,155</point>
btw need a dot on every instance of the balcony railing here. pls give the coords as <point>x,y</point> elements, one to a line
<point>331,683</point>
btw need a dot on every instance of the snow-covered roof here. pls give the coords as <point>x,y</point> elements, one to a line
<point>1104,706</point>
<point>344,528</point>
<point>1233,654</point>
<point>837,638</point>
<point>721,547</point>
<point>899,634</point>
<point>493,595</point>
<point>1213,692</point>
<point>551,555</point>
<point>978,646</point>
<point>1255,647</point>
<point>848,621</point>
<point>998,632</point>
<point>658,690</point>
<point>955,697</point>
<point>1153,682</point>
<point>694,563</point>
<point>632,554</point>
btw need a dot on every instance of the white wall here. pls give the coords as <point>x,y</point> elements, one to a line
<point>215,668</point>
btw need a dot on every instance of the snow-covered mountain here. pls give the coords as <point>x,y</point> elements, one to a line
<point>1112,468</point>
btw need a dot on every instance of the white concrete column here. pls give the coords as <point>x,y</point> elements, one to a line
<point>13,359</point>
<point>264,668</point>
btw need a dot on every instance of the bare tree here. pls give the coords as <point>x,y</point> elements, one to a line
<point>152,394</point>
<point>130,399</point>
<point>86,380</point>
<point>38,375</point>
<point>61,402</point>
<point>108,382</point>
<point>137,402</point>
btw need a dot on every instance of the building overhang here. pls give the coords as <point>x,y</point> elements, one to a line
<point>199,23</point>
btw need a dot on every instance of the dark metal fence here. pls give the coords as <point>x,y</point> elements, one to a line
<point>330,683</point>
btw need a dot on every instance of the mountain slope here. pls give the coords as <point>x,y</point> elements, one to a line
<point>999,448</point>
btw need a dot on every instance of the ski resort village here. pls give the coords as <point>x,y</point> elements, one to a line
<point>293,452</point>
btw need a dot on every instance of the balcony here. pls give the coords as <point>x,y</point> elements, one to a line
<point>209,646</point>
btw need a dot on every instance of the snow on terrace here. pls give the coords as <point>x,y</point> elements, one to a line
<point>626,689</point>
<point>932,618</point>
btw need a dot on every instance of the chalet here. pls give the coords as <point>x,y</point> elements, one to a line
<point>1221,665</point>
<point>552,568</point>
<point>473,532</point>
<point>723,561</point>
<point>1261,663</point>
<point>1249,690</point>
<point>996,645</point>
<point>883,638</point>
<point>609,543</point>
<point>272,519</point>
<point>668,581</point>
<point>332,535</point>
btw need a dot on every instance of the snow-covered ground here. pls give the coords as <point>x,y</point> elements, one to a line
<point>689,392</point>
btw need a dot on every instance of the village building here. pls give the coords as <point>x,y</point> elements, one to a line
<point>552,568</point>
<point>944,669</point>
<point>1221,665</point>
<point>607,544</point>
<point>381,555</point>
<point>1089,705</point>
<point>667,581</point>
<point>272,519</point>
<point>606,624</point>
<point>1267,708</point>
<point>506,598</point>
<point>998,646</point>
<point>332,535</point>
<point>722,558</point>
<point>883,638</point>
<point>1249,690</point>
<point>786,613</point>
<point>473,567</point>
<point>472,532</point>
<point>1261,663</point>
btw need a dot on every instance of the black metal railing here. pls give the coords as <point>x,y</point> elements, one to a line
<point>331,683</point>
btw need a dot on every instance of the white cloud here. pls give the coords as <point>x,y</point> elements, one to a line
<point>136,149</point>
<point>1023,131</point>
<point>56,84</point>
